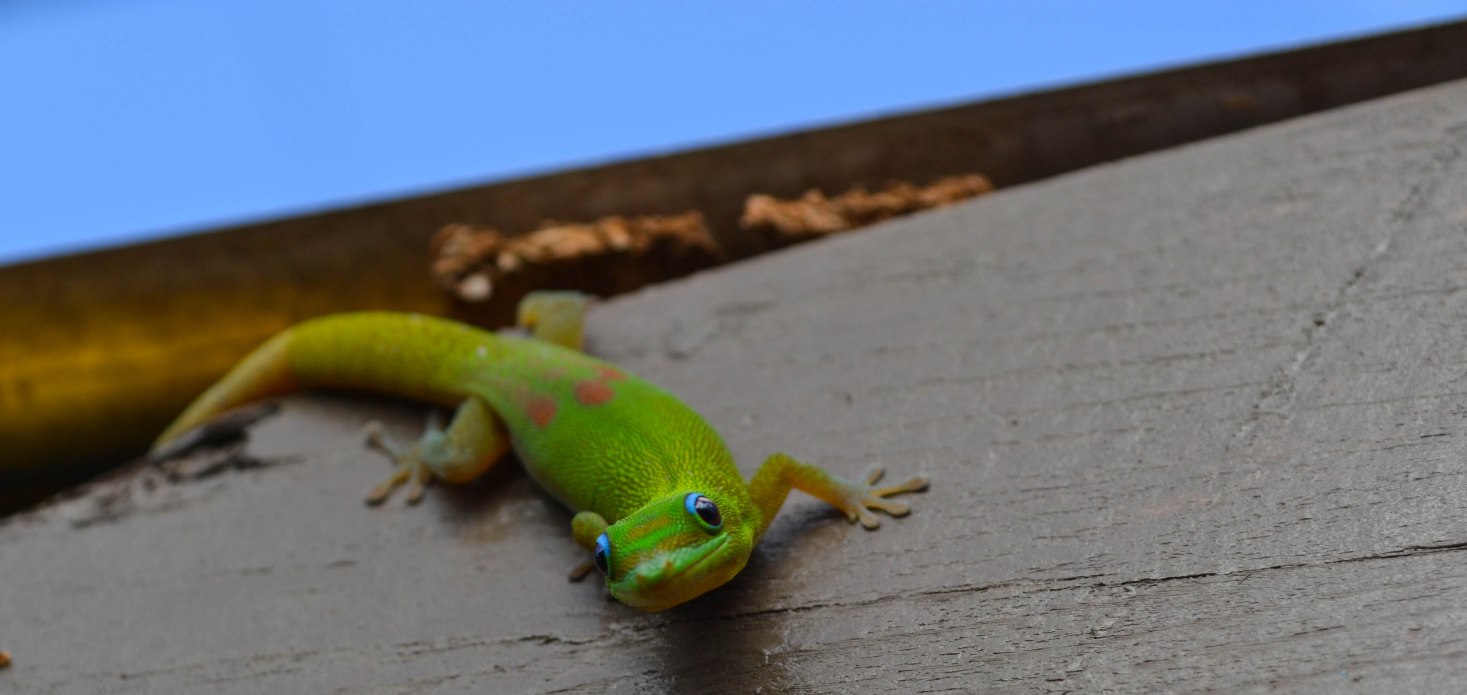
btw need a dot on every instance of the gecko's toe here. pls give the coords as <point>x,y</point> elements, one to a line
<point>379,494</point>
<point>418,484</point>
<point>916,483</point>
<point>892,507</point>
<point>874,474</point>
<point>377,438</point>
<point>580,571</point>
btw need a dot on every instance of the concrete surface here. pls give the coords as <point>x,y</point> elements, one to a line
<point>1194,421</point>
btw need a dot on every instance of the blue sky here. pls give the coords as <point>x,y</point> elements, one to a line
<point>123,120</point>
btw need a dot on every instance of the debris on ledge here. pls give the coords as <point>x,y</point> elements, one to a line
<point>612,254</point>
<point>785,222</point>
<point>619,254</point>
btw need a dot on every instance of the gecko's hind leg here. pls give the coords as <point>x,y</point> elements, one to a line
<point>471,444</point>
<point>555,317</point>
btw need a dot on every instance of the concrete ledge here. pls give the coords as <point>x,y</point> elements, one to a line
<point>1194,421</point>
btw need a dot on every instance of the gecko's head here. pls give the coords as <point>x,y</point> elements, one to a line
<point>673,550</point>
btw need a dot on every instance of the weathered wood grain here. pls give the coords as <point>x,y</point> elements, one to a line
<point>1194,422</point>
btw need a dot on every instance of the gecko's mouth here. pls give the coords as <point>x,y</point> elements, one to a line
<point>677,576</point>
<point>694,564</point>
<point>708,550</point>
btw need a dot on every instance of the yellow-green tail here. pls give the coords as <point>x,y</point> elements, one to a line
<point>264,373</point>
<point>409,355</point>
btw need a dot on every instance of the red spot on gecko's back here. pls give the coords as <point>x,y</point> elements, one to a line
<point>609,373</point>
<point>593,392</point>
<point>541,410</point>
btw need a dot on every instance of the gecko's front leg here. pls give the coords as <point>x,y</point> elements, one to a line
<point>857,500</point>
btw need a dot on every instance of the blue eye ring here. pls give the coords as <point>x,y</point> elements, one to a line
<point>602,555</point>
<point>704,510</point>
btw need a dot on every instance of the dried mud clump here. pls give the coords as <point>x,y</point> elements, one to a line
<point>608,256</point>
<point>813,215</point>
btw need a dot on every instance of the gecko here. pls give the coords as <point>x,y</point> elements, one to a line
<point>657,497</point>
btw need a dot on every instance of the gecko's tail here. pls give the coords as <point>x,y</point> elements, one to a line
<point>408,355</point>
<point>264,373</point>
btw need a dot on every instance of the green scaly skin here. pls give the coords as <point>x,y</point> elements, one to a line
<point>621,452</point>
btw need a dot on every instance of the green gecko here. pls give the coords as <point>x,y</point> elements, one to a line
<point>657,497</point>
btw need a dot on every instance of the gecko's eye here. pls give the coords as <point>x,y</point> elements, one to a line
<point>602,558</point>
<point>706,511</point>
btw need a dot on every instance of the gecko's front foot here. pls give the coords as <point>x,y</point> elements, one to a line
<point>409,467</point>
<point>862,498</point>
<point>858,500</point>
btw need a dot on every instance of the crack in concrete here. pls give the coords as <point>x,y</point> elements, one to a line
<point>1278,397</point>
<point>1074,583</point>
